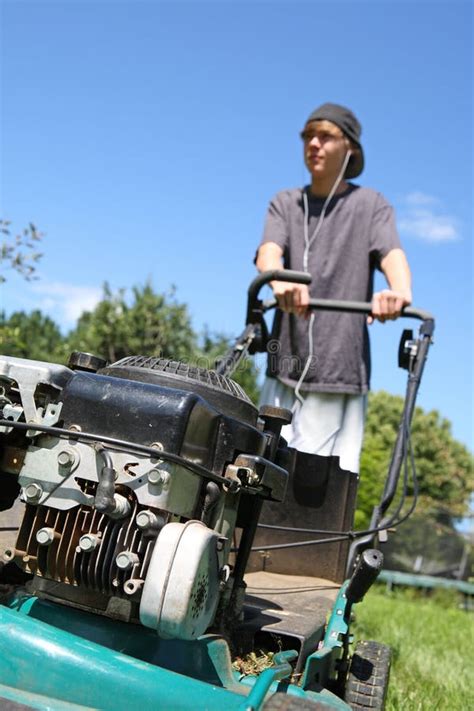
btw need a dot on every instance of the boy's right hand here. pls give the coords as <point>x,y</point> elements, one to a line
<point>292,298</point>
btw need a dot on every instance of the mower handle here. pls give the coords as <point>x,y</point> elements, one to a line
<point>356,307</point>
<point>254,306</point>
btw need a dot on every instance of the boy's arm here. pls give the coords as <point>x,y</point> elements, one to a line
<point>293,298</point>
<point>388,304</point>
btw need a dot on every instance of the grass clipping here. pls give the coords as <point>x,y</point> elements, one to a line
<point>253,663</point>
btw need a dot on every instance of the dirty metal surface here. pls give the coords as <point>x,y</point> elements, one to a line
<point>289,606</point>
<point>320,495</point>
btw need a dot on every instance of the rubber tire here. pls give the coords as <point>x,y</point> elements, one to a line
<point>369,672</point>
<point>288,702</point>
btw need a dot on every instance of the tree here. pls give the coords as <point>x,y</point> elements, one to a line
<point>32,335</point>
<point>153,324</point>
<point>444,465</point>
<point>215,346</point>
<point>19,252</point>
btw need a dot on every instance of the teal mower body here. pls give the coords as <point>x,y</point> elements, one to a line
<point>164,548</point>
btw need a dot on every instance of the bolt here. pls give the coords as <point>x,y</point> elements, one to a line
<point>45,536</point>
<point>158,476</point>
<point>253,478</point>
<point>148,519</point>
<point>33,492</point>
<point>339,612</point>
<point>88,543</point>
<point>157,445</point>
<point>126,560</point>
<point>65,458</point>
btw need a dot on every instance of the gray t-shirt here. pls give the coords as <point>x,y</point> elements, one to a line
<point>357,232</point>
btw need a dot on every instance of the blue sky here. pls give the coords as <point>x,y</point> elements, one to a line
<point>145,140</point>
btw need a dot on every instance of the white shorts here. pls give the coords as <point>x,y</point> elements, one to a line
<point>328,424</point>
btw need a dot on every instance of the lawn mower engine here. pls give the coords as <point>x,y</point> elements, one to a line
<point>134,485</point>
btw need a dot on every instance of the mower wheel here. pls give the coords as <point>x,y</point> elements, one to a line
<point>287,702</point>
<point>369,671</point>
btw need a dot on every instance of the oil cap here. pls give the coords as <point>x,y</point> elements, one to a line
<point>85,361</point>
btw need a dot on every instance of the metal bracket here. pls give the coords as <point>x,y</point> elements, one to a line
<point>13,413</point>
<point>28,374</point>
<point>321,665</point>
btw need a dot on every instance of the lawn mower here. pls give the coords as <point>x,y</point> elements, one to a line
<point>173,552</point>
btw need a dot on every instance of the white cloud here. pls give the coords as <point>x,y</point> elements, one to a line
<point>67,301</point>
<point>418,198</point>
<point>424,220</point>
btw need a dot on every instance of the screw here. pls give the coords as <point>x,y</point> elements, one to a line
<point>65,458</point>
<point>88,543</point>
<point>148,519</point>
<point>33,492</point>
<point>45,536</point>
<point>157,445</point>
<point>158,476</point>
<point>126,560</point>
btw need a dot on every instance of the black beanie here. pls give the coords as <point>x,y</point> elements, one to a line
<point>349,125</point>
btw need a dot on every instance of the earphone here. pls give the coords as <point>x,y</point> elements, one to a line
<point>308,242</point>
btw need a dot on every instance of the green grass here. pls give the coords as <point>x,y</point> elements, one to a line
<point>432,645</point>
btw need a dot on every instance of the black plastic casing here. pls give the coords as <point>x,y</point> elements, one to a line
<point>183,422</point>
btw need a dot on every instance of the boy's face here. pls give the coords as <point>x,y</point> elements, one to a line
<point>325,147</point>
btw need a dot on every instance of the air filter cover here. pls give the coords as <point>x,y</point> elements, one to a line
<point>181,589</point>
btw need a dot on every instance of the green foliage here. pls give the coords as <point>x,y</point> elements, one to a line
<point>156,324</point>
<point>430,647</point>
<point>150,324</point>
<point>214,347</point>
<point>32,335</point>
<point>153,325</point>
<point>19,252</point>
<point>444,466</point>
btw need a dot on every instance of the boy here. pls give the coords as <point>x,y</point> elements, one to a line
<point>339,232</point>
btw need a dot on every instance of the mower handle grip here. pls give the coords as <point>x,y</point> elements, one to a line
<point>266,277</point>
<point>357,307</point>
<point>360,307</point>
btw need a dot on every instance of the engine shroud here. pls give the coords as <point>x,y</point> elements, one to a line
<point>91,557</point>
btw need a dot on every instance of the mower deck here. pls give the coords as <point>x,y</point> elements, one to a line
<point>293,608</point>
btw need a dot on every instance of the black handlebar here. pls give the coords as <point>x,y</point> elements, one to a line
<point>254,339</point>
<point>358,307</point>
<point>361,307</point>
<point>265,278</point>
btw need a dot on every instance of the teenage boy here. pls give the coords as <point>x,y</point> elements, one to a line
<point>339,232</point>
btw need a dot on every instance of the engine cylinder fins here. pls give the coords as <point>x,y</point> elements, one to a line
<point>221,392</point>
<point>87,549</point>
<point>181,590</point>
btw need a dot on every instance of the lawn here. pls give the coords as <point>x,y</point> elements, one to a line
<point>432,645</point>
